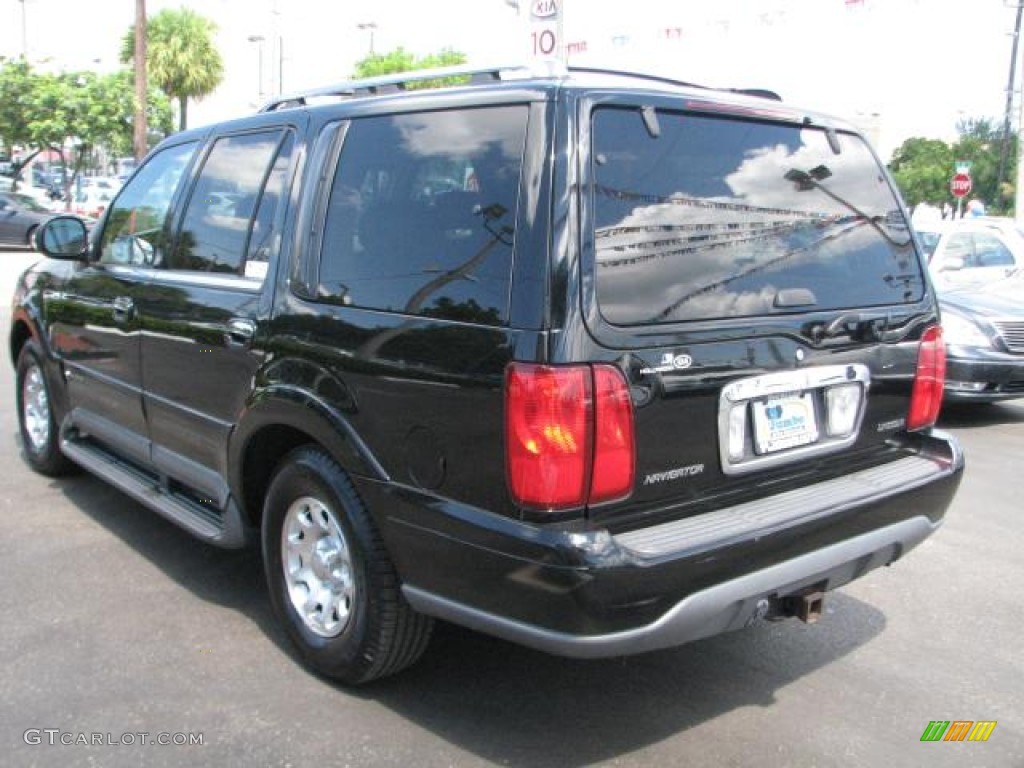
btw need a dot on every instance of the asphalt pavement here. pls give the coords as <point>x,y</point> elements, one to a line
<point>119,631</point>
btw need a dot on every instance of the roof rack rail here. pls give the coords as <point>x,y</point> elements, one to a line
<point>762,93</point>
<point>399,81</point>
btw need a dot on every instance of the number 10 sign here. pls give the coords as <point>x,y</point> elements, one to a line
<point>545,28</point>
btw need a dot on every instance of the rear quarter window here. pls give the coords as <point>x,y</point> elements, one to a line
<point>421,214</point>
<point>710,217</point>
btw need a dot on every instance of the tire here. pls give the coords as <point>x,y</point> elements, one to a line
<point>37,425</point>
<point>331,581</point>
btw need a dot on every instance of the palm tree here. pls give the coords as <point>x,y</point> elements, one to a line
<point>182,58</point>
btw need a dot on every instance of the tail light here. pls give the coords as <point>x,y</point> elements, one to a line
<point>926,397</point>
<point>568,435</point>
<point>612,477</point>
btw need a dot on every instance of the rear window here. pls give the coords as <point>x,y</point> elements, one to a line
<point>700,217</point>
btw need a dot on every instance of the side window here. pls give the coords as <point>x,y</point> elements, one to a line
<point>136,229</point>
<point>264,236</point>
<point>421,216</point>
<point>991,251</point>
<point>960,246</point>
<point>220,212</point>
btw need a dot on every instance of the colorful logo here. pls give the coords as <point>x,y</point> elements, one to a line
<point>958,730</point>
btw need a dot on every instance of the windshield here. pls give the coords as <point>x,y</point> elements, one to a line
<point>699,217</point>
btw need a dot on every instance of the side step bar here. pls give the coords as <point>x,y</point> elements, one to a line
<point>222,528</point>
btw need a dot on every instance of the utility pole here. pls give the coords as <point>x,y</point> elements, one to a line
<point>140,135</point>
<point>1004,151</point>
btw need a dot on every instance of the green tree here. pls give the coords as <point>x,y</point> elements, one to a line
<point>79,110</point>
<point>980,144</point>
<point>401,60</point>
<point>16,83</point>
<point>159,115</point>
<point>182,59</point>
<point>922,169</point>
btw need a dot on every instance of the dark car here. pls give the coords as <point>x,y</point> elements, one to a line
<point>984,333</point>
<point>652,362</point>
<point>20,218</point>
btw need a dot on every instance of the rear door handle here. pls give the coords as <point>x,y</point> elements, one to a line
<point>240,332</point>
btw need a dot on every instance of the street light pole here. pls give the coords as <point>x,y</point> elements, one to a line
<point>258,39</point>
<point>24,33</point>
<point>369,26</point>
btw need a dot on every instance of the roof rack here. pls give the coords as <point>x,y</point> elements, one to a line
<point>762,93</point>
<point>372,86</point>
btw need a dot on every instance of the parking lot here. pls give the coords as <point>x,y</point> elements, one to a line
<point>119,630</point>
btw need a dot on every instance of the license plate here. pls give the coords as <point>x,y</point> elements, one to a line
<point>784,422</point>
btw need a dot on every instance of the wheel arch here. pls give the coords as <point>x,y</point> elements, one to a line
<point>19,336</point>
<point>23,331</point>
<point>276,422</point>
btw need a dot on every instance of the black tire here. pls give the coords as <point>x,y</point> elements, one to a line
<point>37,425</point>
<point>362,628</point>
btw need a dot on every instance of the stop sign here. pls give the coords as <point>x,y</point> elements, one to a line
<point>960,185</point>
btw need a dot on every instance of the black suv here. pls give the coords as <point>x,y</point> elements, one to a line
<point>595,362</point>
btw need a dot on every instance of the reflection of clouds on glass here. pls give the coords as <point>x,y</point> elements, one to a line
<point>699,280</point>
<point>460,133</point>
<point>232,167</point>
<point>720,218</point>
<point>700,236</point>
<point>738,277</point>
<point>854,176</point>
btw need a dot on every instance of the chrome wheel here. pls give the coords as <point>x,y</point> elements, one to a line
<point>331,581</point>
<point>35,409</point>
<point>317,567</point>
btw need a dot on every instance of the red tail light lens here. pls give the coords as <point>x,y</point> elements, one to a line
<point>926,397</point>
<point>568,435</point>
<point>612,477</point>
<point>548,434</point>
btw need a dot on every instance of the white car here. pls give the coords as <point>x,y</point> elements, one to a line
<point>976,251</point>
<point>92,202</point>
<point>103,183</point>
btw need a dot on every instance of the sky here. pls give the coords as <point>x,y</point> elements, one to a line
<point>897,68</point>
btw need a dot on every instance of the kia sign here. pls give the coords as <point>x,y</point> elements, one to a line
<point>960,185</point>
<point>543,22</point>
<point>544,9</point>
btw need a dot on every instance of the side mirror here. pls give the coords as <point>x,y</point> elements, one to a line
<point>64,237</point>
<point>951,264</point>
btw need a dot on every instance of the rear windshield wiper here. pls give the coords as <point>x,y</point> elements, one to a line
<point>807,180</point>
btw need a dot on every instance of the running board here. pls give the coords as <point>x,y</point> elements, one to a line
<point>222,528</point>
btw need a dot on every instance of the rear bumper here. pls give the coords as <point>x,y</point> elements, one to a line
<point>720,608</point>
<point>594,594</point>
